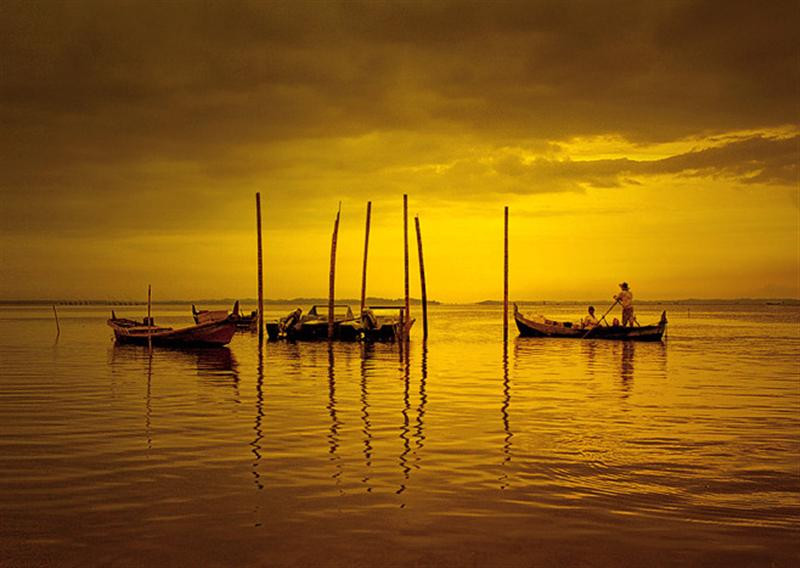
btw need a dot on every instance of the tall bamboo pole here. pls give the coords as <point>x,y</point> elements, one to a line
<point>260,273</point>
<point>332,280</point>
<point>423,290</point>
<point>505,276</point>
<point>364,270</point>
<point>405,261</point>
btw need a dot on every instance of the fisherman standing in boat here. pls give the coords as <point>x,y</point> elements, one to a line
<point>625,298</point>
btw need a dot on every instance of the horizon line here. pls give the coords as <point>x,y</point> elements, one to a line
<point>312,299</point>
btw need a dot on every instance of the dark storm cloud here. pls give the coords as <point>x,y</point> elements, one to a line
<point>104,103</point>
<point>756,159</point>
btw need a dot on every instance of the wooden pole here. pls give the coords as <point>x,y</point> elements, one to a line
<point>364,270</point>
<point>260,273</point>
<point>402,334</point>
<point>149,324</point>
<point>422,282</point>
<point>58,327</point>
<point>407,317</point>
<point>505,276</point>
<point>333,272</point>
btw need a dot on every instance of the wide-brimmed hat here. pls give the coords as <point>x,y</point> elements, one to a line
<point>624,285</point>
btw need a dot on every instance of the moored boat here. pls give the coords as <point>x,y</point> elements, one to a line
<point>377,323</point>
<point>312,325</point>
<point>540,326</point>
<point>211,332</point>
<point>243,322</point>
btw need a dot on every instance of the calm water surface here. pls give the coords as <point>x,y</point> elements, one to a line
<point>454,453</point>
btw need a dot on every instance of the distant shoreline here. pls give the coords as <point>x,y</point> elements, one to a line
<point>247,302</point>
<point>208,301</point>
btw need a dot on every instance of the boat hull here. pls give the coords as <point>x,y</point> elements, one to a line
<point>548,328</point>
<point>207,334</point>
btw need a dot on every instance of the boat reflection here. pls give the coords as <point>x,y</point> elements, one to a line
<point>589,349</point>
<point>569,358</point>
<point>213,362</point>
<point>637,359</point>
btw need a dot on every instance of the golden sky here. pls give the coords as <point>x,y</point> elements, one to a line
<point>653,142</point>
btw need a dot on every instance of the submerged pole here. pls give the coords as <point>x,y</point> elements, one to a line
<point>422,282</point>
<point>333,272</point>
<point>505,276</point>
<point>364,269</point>
<point>405,260</point>
<point>260,273</point>
<point>58,327</point>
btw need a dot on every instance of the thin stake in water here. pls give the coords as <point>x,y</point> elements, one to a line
<point>505,276</point>
<point>364,269</point>
<point>407,315</point>
<point>332,280</point>
<point>260,273</point>
<point>423,289</point>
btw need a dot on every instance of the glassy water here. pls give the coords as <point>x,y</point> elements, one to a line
<point>458,452</point>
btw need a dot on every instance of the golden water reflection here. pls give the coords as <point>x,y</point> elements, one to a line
<point>457,440</point>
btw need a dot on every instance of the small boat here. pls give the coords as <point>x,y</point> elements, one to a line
<point>540,326</point>
<point>214,331</point>
<point>377,323</point>
<point>312,325</point>
<point>243,322</point>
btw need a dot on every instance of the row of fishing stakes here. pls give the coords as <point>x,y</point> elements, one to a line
<point>332,278</point>
<point>405,319</point>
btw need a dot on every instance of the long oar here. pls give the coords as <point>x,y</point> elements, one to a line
<point>601,319</point>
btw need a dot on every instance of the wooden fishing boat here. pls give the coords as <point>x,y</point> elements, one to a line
<point>211,332</point>
<point>312,325</point>
<point>540,326</point>
<point>243,322</point>
<point>377,323</point>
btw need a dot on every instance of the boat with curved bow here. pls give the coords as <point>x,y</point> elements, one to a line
<point>539,326</point>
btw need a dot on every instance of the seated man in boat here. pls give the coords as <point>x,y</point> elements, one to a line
<point>625,299</point>
<point>590,320</point>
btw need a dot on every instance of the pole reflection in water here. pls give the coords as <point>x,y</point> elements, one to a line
<point>256,443</point>
<point>504,408</point>
<point>122,356</point>
<point>333,436</point>
<point>366,352</point>
<point>590,348</point>
<point>423,398</point>
<point>626,367</point>
<point>148,406</point>
<point>404,429</point>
